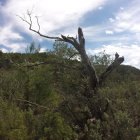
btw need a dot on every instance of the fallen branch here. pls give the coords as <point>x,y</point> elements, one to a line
<point>52,63</point>
<point>32,103</point>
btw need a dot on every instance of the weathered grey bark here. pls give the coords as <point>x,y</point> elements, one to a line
<point>79,45</point>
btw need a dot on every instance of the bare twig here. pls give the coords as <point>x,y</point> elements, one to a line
<point>117,61</point>
<point>32,103</point>
<point>38,24</point>
<point>37,31</point>
<point>52,63</point>
<point>24,19</point>
<point>73,55</point>
<point>79,45</point>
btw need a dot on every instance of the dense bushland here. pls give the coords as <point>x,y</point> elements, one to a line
<point>43,96</point>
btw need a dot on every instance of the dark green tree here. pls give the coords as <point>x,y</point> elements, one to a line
<point>32,48</point>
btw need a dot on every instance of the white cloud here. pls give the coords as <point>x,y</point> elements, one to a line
<point>17,47</point>
<point>14,47</point>
<point>109,32</point>
<point>130,53</point>
<point>97,34</point>
<point>122,8</point>
<point>4,50</point>
<point>136,28</point>
<point>111,20</point>
<point>128,18</point>
<point>8,39</point>
<point>92,31</point>
<point>42,50</point>
<point>100,8</point>
<point>53,15</point>
<point>7,33</point>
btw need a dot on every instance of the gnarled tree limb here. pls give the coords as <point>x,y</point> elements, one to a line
<point>79,44</point>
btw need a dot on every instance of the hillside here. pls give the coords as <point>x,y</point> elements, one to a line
<point>126,73</point>
<point>43,97</point>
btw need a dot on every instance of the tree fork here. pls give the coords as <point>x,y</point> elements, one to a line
<point>79,44</point>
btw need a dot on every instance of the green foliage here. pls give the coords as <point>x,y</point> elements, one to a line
<point>41,89</point>
<point>54,127</point>
<point>12,124</point>
<point>32,48</point>
<point>49,101</point>
<point>62,50</point>
<point>101,59</point>
<point>92,130</point>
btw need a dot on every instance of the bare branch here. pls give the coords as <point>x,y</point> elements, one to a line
<point>69,40</point>
<point>32,103</point>
<point>80,47</point>
<point>73,55</point>
<point>52,63</point>
<point>38,24</point>
<point>116,55</point>
<point>29,14</point>
<point>23,19</point>
<point>75,41</point>
<point>81,37</point>
<point>38,32</point>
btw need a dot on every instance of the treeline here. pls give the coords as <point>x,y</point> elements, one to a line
<point>43,96</point>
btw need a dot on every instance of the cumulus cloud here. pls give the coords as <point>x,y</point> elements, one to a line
<point>7,33</point>
<point>17,47</point>
<point>130,52</point>
<point>100,8</point>
<point>4,50</point>
<point>122,8</point>
<point>111,20</point>
<point>42,50</point>
<point>96,33</point>
<point>9,37</point>
<point>100,33</point>
<point>64,16</point>
<point>93,31</point>
<point>109,32</point>
<point>54,15</point>
<point>128,18</point>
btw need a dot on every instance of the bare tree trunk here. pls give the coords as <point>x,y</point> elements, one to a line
<point>80,47</point>
<point>79,44</point>
<point>94,82</point>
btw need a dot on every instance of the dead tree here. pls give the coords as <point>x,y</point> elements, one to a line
<point>79,45</point>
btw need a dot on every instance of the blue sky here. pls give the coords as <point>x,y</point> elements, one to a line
<point>110,25</point>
